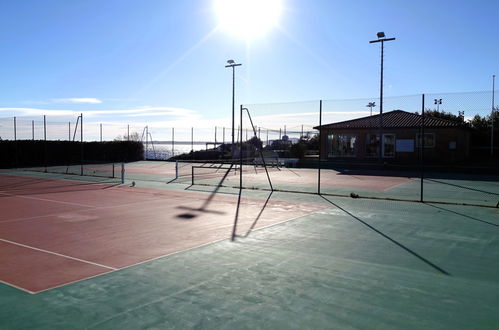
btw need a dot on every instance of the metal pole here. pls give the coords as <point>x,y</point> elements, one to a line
<point>381,142</point>
<point>173,141</point>
<point>45,141</point>
<point>320,150</point>
<point>241,150</point>
<point>260,150</point>
<point>492,117</point>
<point>33,129</point>
<point>233,100</point>
<point>301,131</point>
<point>192,141</point>
<point>382,39</point>
<point>147,139</point>
<point>215,136</point>
<point>128,132</point>
<point>101,132</point>
<point>267,137</point>
<point>81,143</point>
<point>421,145</point>
<point>69,129</point>
<point>16,159</point>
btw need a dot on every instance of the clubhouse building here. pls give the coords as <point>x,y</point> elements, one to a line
<point>444,141</point>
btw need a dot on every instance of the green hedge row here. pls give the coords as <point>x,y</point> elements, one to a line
<point>25,153</point>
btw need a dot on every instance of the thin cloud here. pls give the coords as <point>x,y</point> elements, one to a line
<point>135,112</point>
<point>77,100</point>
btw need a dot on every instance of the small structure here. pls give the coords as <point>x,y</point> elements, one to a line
<point>359,139</point>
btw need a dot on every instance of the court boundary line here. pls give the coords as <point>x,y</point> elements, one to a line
<point>18,287</point>
<point>90,208</point>
<point>181,251</point>
<point>57,254</point>
<point>44,199</point>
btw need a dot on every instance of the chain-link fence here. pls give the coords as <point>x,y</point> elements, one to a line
<point>432,147</point>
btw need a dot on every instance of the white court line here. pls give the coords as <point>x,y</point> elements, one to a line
<point>44,199</point>
<point>57,254</point>
<point>90,208</point>
<point>17,287</point>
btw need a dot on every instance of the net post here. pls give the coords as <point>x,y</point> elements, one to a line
<point>122,173</point>
<point>176,169</point>
<point>192,175</point>
<point>113,172</point>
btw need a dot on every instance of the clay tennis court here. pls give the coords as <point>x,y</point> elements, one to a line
<point>64,231</point>
<point>80,252</point>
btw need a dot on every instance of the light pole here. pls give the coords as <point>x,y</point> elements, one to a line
<point>438,102</point>
<point>492,117</point>
<point>382,39</point>
<point>232,64</point>
<point>371,105</point>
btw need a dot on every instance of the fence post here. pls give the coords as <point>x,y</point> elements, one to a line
<point>16,156</point>
<point>100,132</point>
<point>192,142</point>
<point>320,150</point>
<point>81,143</point>
<point>45,141</point>
<point>69,128</point>
<point>421,145</point>
<point>33,129</point>
<point>128,132</point>
<point>173,141</point>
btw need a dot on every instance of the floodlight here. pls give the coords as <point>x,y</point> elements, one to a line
<point>381,34</point>
<point>231,61</point>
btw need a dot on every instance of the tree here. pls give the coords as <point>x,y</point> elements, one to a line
<point>445,115</point>
<point>134,136</point>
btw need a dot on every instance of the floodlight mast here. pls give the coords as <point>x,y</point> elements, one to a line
<point>371,105</point>
<point>438,102</point>
<point>381,38</point>
<point>232,64</point>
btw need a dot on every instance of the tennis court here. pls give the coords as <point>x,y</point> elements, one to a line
<point>96,254</point>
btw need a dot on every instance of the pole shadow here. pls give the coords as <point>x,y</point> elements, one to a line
<point>439,269</point>
<point>463,215</point>
<point>462,187</point>
<point>259,215</point>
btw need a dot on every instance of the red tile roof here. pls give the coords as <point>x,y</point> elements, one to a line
<point>393,119</point>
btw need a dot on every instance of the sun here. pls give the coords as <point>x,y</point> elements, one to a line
<point>248,19</point>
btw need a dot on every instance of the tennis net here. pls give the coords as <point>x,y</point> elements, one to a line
<point>107,170</point>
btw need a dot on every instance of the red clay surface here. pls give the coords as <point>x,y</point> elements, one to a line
<point>54,232</point>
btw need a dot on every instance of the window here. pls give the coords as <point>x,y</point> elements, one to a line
<point>342,145</point>
<point>429,140</point>
<point>372,145</point>
<point>388,145</point>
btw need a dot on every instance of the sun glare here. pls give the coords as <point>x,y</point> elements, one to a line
<point>248,19</point>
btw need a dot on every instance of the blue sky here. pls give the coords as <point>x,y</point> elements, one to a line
<point>162,61</point>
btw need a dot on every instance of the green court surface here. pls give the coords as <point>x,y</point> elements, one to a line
<point>357,264</point>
